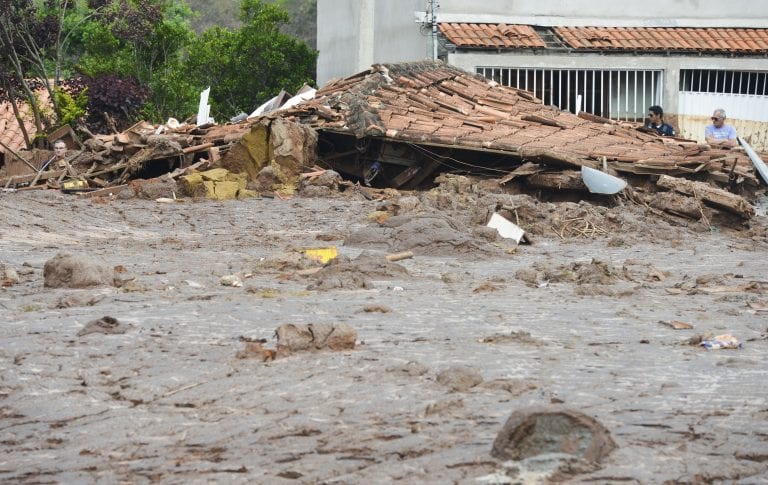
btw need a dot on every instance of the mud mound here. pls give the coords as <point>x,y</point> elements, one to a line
<point>424,235</point>
<point>289,261</point>
<point>593,273</point>
<point>342,273</point>
<point>154,188</point>
<point>70,271</point>
<point>550,433</point>
<point>293,338</point>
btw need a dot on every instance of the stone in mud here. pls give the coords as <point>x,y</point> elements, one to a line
<point>8,275</point>
<point>106,325</point>
<point>329,179</point>
<point>460,379</point>
<point>255,350</point>
<point>74,271</point>
<point>553,431</point>
<point>293,338</point>
<point>154,188</point>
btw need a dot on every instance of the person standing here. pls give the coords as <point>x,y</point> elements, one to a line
<point>718,133</point>
<point>656,122</point>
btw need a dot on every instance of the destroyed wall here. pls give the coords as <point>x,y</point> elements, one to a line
<point>281,147</point>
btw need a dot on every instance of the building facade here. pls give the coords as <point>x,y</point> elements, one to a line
<point>612,59</point>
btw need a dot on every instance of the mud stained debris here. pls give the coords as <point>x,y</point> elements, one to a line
<point>380,371</point>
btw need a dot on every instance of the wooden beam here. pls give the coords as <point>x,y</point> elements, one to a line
<point>712,196</point>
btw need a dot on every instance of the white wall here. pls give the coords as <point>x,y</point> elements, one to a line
<point>616,13</point>
<point>669,64</point>
<point>353,34</point>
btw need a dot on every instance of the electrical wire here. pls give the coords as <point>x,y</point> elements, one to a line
<point>442,159</point>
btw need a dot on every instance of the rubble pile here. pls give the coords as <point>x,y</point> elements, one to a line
<point>399,126</point>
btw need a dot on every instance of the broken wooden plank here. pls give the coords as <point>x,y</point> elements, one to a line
<point>197,148</point>
<point>36,177</point>
<point>565,180</point>
<point>712,196</point>
<point>102,192</point>
<point>527,168</point>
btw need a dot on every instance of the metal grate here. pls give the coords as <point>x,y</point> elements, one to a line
<point>620,94</point>
<point>724,82</point>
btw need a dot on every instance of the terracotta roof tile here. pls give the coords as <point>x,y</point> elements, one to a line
<point>736,40</point>
<point>10,132</point>
<point>491,35</point>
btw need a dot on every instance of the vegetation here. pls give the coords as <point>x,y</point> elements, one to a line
<point>225,14</point>
<point>119,60</point>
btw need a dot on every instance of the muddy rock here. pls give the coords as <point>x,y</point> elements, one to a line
<point>539,432</point>
<point>67,270</point>
<point>255,350</point>
<point>423,234</point>
<point>266,180</point>
<point>325,184</point>
<point>292,338</point>
<point>154,188</point>
<point>460,379</point>
<point>106,325</point>
<point>356,274</point>
<point>8,275</point>
<point>410,369</point>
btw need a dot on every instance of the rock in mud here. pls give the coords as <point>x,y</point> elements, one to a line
<point>106,325</point>
<point>293,338</point>
<point>343,273</point>
<point>255,350</point>
<point>154,188</point>
<point>8,275</point>
<point>460,379</point>
<point>553,431</point>
<point>76,271</point>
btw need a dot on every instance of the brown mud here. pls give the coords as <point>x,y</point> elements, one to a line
<point>450,343</point>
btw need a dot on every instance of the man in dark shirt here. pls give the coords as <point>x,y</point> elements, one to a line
<point>656,122</point>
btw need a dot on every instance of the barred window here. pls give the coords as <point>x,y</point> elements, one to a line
<point>623,94</point>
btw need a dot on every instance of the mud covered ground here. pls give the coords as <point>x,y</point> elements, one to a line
<point>449,343</point>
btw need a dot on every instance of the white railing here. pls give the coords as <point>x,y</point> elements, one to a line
<point>621,94</point>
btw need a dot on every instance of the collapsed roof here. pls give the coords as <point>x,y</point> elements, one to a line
<point>429,103</point>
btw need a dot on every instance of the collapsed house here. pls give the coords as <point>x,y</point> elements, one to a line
<point>397,125</point>
<point>400,125</point>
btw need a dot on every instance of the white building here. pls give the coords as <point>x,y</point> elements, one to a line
<point>612,58</point>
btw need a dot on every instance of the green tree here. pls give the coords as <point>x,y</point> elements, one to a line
<point>145,40</point>
<point>249,65</point>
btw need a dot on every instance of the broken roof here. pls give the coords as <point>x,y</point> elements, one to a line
<point>429,102</point>
<point>10,132</point>
<point>663,39</point>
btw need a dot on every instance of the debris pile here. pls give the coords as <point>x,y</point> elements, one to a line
<point>399,126</point>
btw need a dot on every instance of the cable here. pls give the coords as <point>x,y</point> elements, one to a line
<point>441,158</point>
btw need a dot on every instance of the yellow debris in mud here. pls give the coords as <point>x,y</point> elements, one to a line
<point>322,255</point>
<point>218,184</point>
<point>74,185</point>
<point>216,175</point>
<point>379,216</point>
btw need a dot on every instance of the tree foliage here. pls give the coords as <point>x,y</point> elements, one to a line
<point>140,58</point>
<point>247,66</point>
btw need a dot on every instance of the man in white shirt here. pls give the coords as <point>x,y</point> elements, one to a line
<point>718,133</point>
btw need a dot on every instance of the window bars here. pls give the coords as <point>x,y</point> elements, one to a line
<point>620,94</point>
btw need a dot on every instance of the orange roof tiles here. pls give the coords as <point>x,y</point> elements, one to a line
<point>491,35</point>
<point>10,132</point>
<point>752,41</point>
<point>454,110</point>
<point>681,39</point>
